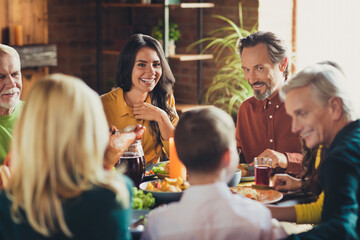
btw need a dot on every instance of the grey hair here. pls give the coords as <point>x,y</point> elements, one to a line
<point>327,80</point>
<point>5,49</point>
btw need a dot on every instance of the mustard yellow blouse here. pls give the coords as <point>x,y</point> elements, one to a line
<point>310,213</point>
<point>121,115</point>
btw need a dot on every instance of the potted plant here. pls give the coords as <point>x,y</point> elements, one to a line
<point>174,34</point>
<point>229,87</point>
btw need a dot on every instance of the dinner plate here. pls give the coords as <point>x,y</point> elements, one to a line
<point>266,196</point>
<point>248,179</point>
<point>161,197</point>
<point>162,176</point>
<point>149,177</point>
<point>251,175</point>
<point>159,175</point>
<point>148,168</point>
<point>136,214</point>
<point>269,196</point>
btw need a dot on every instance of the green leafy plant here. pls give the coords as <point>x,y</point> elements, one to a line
<point>228,88</point>
<point>158,31</point>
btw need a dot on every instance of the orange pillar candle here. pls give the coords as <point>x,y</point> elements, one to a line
<point>18,35</point>
<point>177,168</point>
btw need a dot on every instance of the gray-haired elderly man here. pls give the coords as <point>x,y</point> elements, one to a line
<point>322,113</point>
<point>10,90</point>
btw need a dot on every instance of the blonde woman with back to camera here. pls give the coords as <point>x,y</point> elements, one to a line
<point>59,188</point>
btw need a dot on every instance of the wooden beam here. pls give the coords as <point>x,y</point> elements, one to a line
<point>191,57</point>
<point>42,55</point>
<point>197,5</point>
<point>153,5</point>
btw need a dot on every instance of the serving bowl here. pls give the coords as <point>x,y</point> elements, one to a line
<point>235,179</point>
<point>161,197</point>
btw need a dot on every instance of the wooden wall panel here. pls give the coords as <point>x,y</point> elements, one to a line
<point>4,19</point>
<point>29,77</point>
<point>32,15</point>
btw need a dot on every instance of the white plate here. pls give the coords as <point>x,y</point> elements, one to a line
<point>136,232</point>
<point>267,196</point>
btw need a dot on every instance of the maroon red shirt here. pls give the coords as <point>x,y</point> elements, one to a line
<point>265,124</point>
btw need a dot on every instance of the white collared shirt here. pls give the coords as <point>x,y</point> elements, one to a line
<point>211,212</point>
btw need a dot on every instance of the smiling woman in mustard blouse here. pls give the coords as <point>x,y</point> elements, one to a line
<point>144,95</point>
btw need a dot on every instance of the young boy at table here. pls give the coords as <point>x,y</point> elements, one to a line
<point>205,142</point>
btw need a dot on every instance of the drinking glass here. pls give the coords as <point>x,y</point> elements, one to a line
<point>262,170</point>
<point>134,162</point>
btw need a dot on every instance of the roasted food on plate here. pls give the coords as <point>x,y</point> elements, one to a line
<point>149,173</point>
<point>168,185</point>
<point>244,169</point>
<point>163,168</point>
<point>247,192</point>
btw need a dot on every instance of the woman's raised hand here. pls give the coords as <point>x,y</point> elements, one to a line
<point>285,182</point>
<point>118,143</point>
<point>147,112</point>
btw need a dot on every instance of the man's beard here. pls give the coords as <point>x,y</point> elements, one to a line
<point>267,93</point>
<point>11,104</point>
<point>13,101</point>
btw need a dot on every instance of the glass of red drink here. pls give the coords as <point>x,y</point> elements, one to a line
<point>262,169</point>
<point>134,162</point>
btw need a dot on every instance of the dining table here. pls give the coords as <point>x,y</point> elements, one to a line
<point>288,199</point>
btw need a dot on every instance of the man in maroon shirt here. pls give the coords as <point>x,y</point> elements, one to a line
<point>263,128</point>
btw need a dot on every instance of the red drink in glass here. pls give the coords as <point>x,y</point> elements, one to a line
<point>262,169</point>
<point>135,167</point>
<point>262,175</point>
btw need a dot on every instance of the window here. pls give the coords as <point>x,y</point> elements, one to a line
<point>329,30</point>
<point>325,30</point>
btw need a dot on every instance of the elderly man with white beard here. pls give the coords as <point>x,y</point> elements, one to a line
<point>10,90</point>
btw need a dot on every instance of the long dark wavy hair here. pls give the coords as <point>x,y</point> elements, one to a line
<point>161,94</point>
<point>310,175</point>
